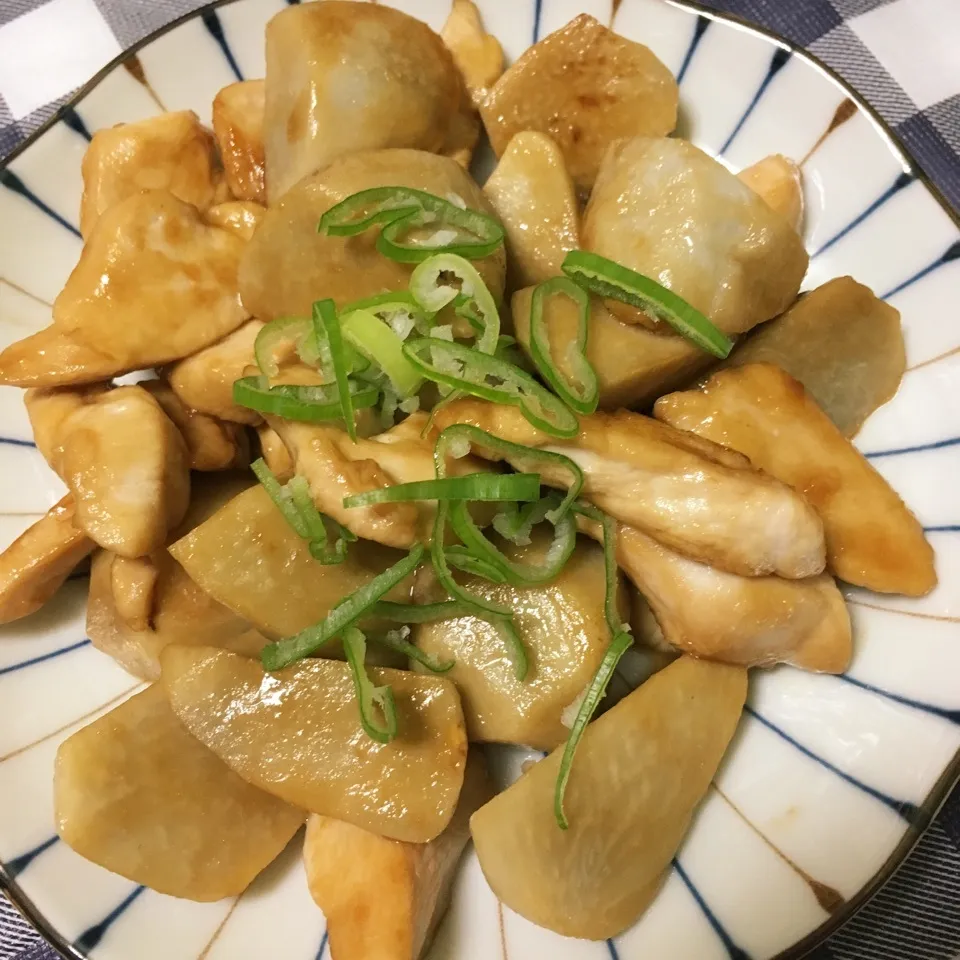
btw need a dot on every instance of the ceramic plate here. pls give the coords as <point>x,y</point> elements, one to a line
<point>829,780</point>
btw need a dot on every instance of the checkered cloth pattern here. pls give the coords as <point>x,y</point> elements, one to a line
<point>903,56</point>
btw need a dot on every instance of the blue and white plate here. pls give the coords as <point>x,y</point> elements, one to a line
<point>830,779</point>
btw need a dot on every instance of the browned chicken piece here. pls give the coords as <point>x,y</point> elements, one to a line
<point>204,381</point>
<point>752,621</point>
<point>239,217</point>
<point>154,284</point>
<point>49,408</point>
<point>873,540</point>
<point>238,126</point>
<point>563,627</point>
<point>128,469</point>
<point>383,899</point>
<point>133,584</point>
<point>463,134</point>
<point>335,467</point>
<point>586,87</point>
<point>171,152</point>
<point>664,208</point>
<point>275,453</point>
<point>345,77</point>
<point>212,444</point>
<point>36,564</point>
<point>779,182</point>
<point>477,54</point>
<point>843,343</point>
<point>139,606</point>
<point>687,493</point>
<point>533,196</point>
<point>288,264</point>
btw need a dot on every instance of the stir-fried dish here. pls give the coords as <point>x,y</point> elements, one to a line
<point>416,465</point>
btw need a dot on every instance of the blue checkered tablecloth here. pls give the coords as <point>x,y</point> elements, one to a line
<point>903,56</point>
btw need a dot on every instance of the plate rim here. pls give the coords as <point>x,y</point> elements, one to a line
<point>950,776</point>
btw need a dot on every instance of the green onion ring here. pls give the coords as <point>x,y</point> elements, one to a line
<point>472,300</point>
<point>583,392</point>
<point>355,647</point>
<point>386,305</point>
<point>281,496</point>
<point>607,278</point>
<point>398,209</point>
<point>472,486</point>
<point>295,329</point>
<point>275,656</point>
<point>325,319</point>
<point>294,402</point>
<point>375,340</point>
<point>437,359</point>
<point>461,559</point>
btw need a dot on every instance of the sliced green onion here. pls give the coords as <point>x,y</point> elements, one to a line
<point>472,299</point>
<point>284,652</point>
<point>374,338</point>
<point>368,695</point>
<point>399,210</point>
<point>325,319</point>
<point>281,496</point>
<point>295,402</point>
<point>281,330</point>
<point>607,278</point>
<point>313,521</point>
<point>517,574</point>
<point>480,375</point>
<point>419,612</point>
<point>594,694</point>
<point>621,642</point>
<point>472,486</point>
<point>461,559</point>
<point>459,438</point>
<point>393,306</point>
<point>394,640</point>
<point>582,393</point>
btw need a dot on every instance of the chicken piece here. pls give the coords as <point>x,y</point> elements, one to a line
<point>239,217</point>
<point>49,408</point>
<point>154,284</point>
<point>274,451</point>
<point>138,607</point>
<point>238,126</point>
<point>335,467</point>
<point>533,196</point>
<point>36,564</point>
<point>477,54</point>
<point>843,343</point>
<point>288,264</point>
<point>344,77</point>
<point>383,899</point>
<point>779,181</point>
<point>586,87</point>
<point>664,208</point>
<point>128,469</point>
<point>689,494</point>
<point>563,627</point>
<point>751,621</point>
<point>170,152</point>
<point>872,539</point>
<point>204,382</point>
<point>464,133</point>
<point>211,444</point>
<point>133,583</point>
